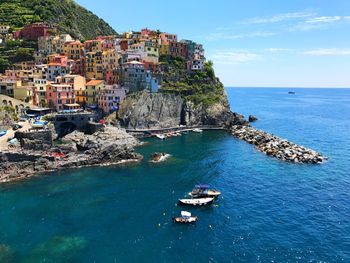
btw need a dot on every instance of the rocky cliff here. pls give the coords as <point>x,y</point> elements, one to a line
<point>160,110</point>
<point>185,98</point>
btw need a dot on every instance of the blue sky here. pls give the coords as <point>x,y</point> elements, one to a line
<point>266,43</point>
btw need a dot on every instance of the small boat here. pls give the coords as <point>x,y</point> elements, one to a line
<point>2,133</point>
<point>291,92</point>
<point>161,136</point>
<point>13,141</point>
<point>185,218</point>
<point>197,130</point>
<point>38,125</point>
<point>196,201</point>
<point>203,190</point>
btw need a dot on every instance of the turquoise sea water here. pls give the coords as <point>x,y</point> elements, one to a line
<point>270,211</point>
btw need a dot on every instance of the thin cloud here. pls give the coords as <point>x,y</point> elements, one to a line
<point>234,57</point>
<point>319,22</point>
<point>328,52</point>
<point>227,36</point>
<point>278,50</point>
<point>278,18</point>
<point>323,19</point>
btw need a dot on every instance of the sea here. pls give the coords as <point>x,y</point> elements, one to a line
<point>269,210</point>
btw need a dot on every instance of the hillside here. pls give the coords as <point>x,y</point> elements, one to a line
<point>185,98</point>
<point>201,87</point>
<point>69,16</point>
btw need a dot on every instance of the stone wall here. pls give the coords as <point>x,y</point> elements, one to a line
<point>35,140</point>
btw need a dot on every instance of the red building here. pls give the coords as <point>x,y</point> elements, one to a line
<point>154,67</point>
<point>124,44</point>
<point>178,49</point>
<point>32,31</point>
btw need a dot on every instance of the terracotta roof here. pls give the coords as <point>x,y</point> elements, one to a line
<point>94,82</point>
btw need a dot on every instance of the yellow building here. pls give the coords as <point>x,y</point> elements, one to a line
<point>164,50</point>
<point>40,90</point>
<point>93,65</point>
<point>26,94</point>
<point>94,45</point>
<point>92,89</point>
<point>110,59</point>
<point>73,50</point>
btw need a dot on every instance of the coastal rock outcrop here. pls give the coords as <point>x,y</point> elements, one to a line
<point>146,110</point>
<point>274,146</point>
<point>105,147</point>
<point>252,118</point>
<point>159,157</point>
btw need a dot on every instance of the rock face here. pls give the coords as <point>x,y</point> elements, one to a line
<point>105,147</point>
<point>252,118</point>
<point>157,110</point>
<point>159,157</point>
<point>277,147</point>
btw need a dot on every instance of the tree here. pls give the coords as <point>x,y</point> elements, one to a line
<point>4,64</point>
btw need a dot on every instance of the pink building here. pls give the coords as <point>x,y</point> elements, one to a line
<point>167,38</point>
<point>110,96</point>
<point>57,95</point>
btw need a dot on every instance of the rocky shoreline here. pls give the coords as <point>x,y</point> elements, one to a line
<point>277,147</point>
<point>110,146</point>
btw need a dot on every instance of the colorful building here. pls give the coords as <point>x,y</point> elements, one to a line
<point>57,95</point>
<point>110,61</point>
<point>7,87</point>
<point>167,38</point>
<point>93,87</point>
<point>26,94</point>
<point>164,49</point>
<point>94,45</point>
<point>33,32</point>
<point>93,65</point>
<point>73,50</point>
<point>40,91</point>
<point>178,49</point>
<point>55,70</point>
<point>110,96</point>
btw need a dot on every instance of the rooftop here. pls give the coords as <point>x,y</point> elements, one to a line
<point>94,82</point>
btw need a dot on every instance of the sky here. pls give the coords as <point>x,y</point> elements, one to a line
<point>253,43</point>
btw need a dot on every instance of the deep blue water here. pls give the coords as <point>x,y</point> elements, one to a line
<point>270,211</point>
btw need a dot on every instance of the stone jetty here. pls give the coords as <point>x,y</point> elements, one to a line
<point>274,146</point>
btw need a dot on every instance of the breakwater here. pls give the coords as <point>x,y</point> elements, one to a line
<point>277,147</point>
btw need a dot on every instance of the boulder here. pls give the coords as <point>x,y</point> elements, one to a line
<point>252,118</point>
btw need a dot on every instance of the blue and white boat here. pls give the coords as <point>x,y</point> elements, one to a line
<point>203,190</point>
<point>2,133</point>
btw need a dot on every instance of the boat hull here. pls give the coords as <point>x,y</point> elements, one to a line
<point>196,201</point>
<point>182,220</point>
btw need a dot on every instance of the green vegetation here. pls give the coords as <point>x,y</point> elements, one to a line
<point>7,115</point>
<point>200,87</point>
<point>15,51</point>
<point>70,17</point>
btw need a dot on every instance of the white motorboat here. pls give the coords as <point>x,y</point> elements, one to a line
<point>186,217</point>
<point>197,130</point>
<point>196,201</point>
<point>161,136</point>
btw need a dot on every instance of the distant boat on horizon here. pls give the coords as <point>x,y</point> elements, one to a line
<point>291,92</point>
